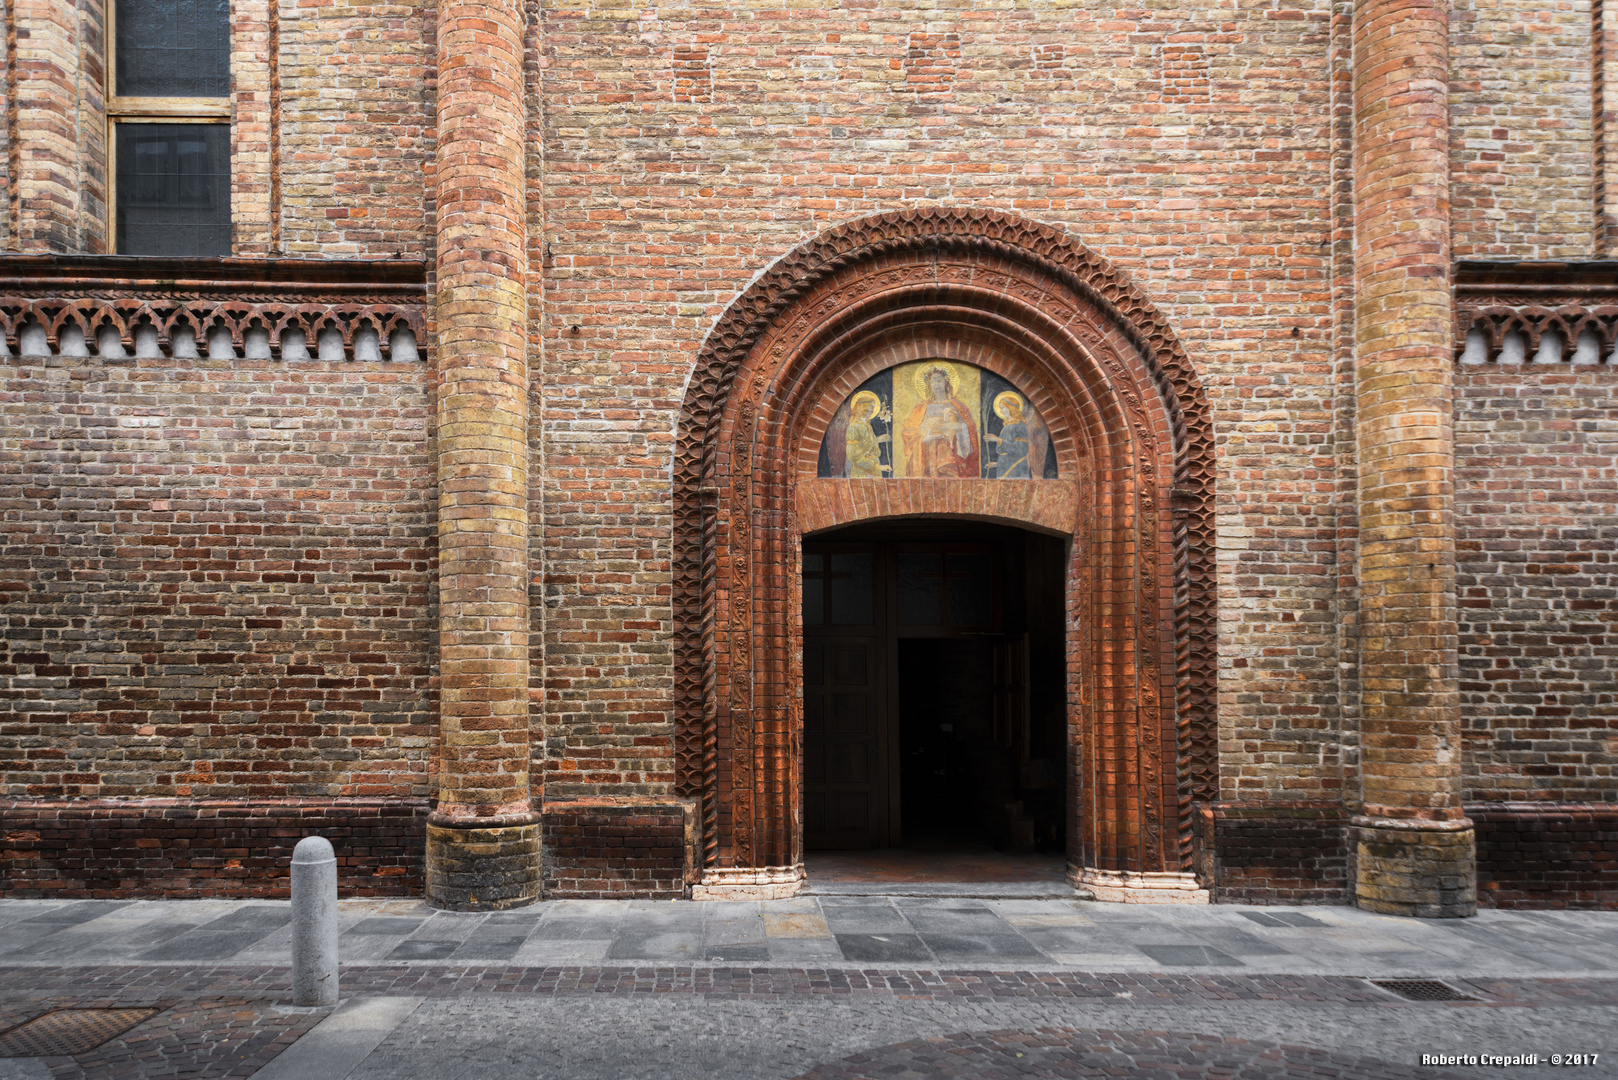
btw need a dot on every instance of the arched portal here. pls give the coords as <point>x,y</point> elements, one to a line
<point>1129,431</point>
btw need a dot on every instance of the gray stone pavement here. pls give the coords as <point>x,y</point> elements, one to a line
<point>610,989</point>
<point>831,931</point>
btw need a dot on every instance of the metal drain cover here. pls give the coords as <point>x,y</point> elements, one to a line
<point>66,1032</point>
<point>1422,989</point>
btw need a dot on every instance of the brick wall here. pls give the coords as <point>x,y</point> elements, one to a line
<point>216,579</point>
<point>182,849</point>
<point>1521,134</point>
<point>684,154</point>
<point>1537,539</point>
<point>355,142</point>
<point>1538,856</point>
<point>1275,852</point>
<point>1529,855</point>
<point>255,148</point>
<point>595,850</point>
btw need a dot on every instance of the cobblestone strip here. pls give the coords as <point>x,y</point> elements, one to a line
<point>1079,1055</point>
<point>125,986</point>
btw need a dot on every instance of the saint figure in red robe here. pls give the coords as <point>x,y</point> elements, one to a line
<point>940,436</point>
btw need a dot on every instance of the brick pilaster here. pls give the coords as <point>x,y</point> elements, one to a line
<point>482,843</point>
<point>48,182</point>
<point>1413,847</point>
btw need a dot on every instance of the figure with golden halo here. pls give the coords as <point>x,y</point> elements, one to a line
<point>863,445</point>
<point>1015,439</point>
<point>940,437</point>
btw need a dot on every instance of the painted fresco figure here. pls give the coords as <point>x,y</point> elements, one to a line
<point>939,434</point>
<point>1012,462</point>
<point>863,446</point>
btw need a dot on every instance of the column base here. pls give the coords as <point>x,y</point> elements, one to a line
<point>749,883</point>
<point>1424,869</point>
<point>472,869</point>
<point>1132,887</point>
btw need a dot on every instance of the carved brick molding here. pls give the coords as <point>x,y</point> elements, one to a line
<point>1536,312</point>
<point>1130,426</point>
<point>269,308</point>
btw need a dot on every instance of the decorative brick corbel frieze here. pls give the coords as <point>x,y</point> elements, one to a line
<point>1524,312</point>
<point>119,307</point>
<point>1134,427</point>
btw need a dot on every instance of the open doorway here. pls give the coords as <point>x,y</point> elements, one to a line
<point>935,704</point>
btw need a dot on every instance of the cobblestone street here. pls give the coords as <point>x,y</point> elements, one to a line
<point>845,987</point>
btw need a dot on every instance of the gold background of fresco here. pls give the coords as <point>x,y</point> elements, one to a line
<point>912,428</point>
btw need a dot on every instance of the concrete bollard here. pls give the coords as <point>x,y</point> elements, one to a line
<point>314,922</point>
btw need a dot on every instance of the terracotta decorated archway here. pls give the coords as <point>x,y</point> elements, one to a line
<point>1129,426</point>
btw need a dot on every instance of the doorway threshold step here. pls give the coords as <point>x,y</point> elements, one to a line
<point>960,890</point>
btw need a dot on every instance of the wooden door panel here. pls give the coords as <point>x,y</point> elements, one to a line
<point>851,763</point>
<point>814,747</point>
<point>851,665</point>
<point>851,716</point>
<point>848,785</point>
<point>853,814</point>
<point>814,810</point>
<point>845,789</point>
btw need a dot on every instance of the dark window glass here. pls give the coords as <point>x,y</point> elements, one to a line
<point>173,48</point>
<point>173,189</point>
<point>920,582</point>
<point>853,595</point>
<point>971,589</point>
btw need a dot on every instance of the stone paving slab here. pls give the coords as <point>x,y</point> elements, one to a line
<point>580,990</point>
<point>349,1035</point>
<point>855,930</point>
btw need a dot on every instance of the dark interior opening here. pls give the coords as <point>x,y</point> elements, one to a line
<point>935,703</point>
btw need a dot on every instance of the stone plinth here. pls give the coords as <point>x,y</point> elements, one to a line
<point>1405,868</point>
<point>482,869</point>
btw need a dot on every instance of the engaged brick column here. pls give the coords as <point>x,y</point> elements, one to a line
<point>1413,846</point>
<point>46,186</point>
<point>483,838</point>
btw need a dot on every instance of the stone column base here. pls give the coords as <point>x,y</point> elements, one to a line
<point>482,869</point>
<point>1427,869</point>
<point>1130,887</point>
<point>749,883</point>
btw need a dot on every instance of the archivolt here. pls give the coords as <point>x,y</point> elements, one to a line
<point>701,461</point>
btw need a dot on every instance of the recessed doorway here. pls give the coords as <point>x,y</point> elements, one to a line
<point>935,703</point>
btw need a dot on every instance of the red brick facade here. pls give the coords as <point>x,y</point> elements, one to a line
<point>515,542</point>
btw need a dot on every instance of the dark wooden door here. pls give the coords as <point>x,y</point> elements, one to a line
<point>845,729</point>
<point>848,786</point>
<point>858,600</point>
